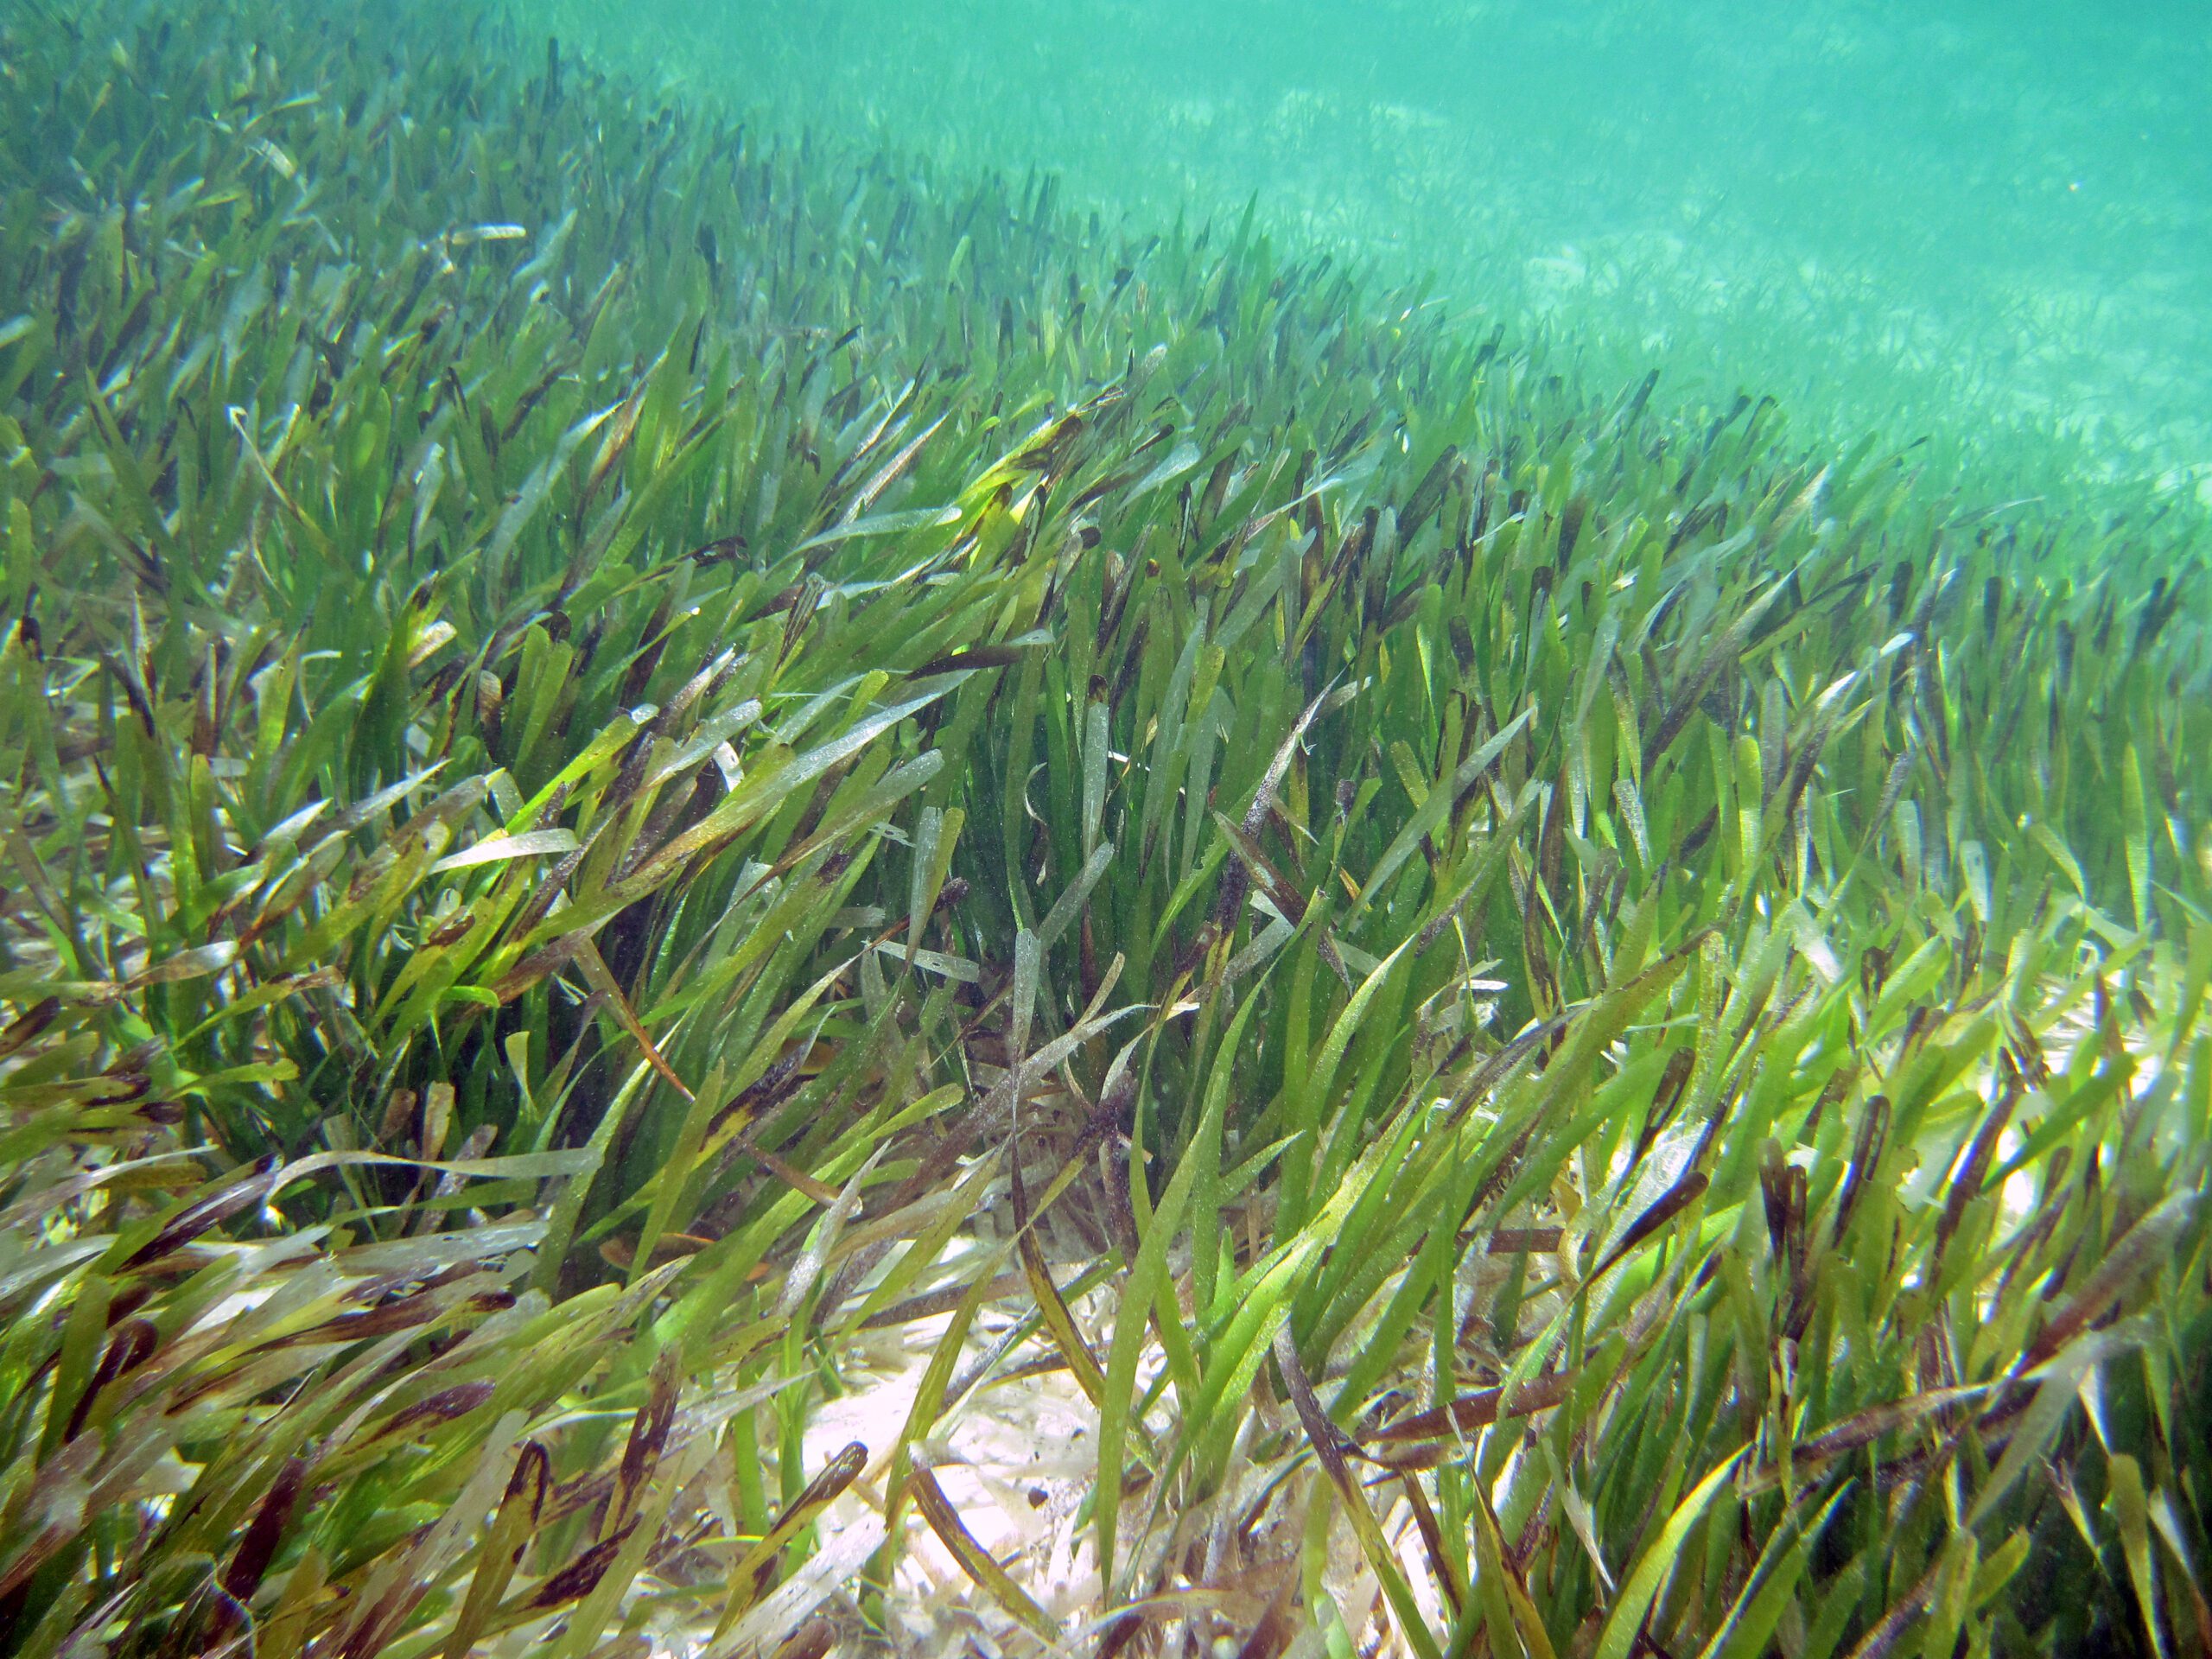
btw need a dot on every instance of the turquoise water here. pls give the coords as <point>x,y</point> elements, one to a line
<point>1991,223</point>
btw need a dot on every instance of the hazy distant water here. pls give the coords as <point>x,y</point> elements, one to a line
<point>1946,214</point>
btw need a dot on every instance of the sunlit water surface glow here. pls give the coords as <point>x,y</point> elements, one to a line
<point>1989,223</point>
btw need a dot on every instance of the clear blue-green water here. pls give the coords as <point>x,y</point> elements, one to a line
<point>1991,222</point>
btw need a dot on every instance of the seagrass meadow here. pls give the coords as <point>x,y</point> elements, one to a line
<point>636,755</point>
